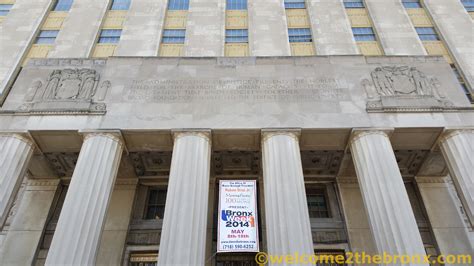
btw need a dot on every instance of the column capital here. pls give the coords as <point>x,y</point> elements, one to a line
<point>451,132</point>
<point>23,136</point>
<point>271,132</point>
<point>358,133</point>
<point>202,133</point>
<point>114,135</point>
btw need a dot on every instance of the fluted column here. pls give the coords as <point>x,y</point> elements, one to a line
<point>457,147</point>
<point>390,214</point>
<point>183,236</point>
<point>15,154</point>
<point>286,209</point>
<point>76,239</point>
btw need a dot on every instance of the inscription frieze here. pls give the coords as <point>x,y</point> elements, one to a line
<point>252,90</point>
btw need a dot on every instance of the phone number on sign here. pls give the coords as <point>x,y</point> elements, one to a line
<point>238,246</point>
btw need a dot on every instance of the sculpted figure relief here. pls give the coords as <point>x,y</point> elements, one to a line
<point>71,84</point>
<point>403,88</point>
<point>402,80</point>
<point>65,91</point>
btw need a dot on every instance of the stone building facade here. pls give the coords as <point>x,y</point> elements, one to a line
<point>119,118</point>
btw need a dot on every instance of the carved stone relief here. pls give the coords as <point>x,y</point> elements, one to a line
<point>410,161</point>
<point>151,163</point>
<point>67,91</point>
<point>236,162</point>
<point>321,163</point>
<point>63,163</point>
<point>404,89</point>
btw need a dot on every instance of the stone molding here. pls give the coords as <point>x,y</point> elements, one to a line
<point>432,179</point>
<point>451,132</point>
<point>42,182</point>
<point>202,133</point>
<point>113,135</point>
<point>358,133</point>
<point>294,133</point>
<point>21,136</point>
<point>125,184</point>
<point>347,180</point>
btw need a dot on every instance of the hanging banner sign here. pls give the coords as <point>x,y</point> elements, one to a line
<point>237,222</point>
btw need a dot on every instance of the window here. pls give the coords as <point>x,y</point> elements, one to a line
<point>236,36</point>
<point>236,5</point>
<point>110,36</point>
<point>173,36</point>
<point>300,35</point>
<point>4,9</point>
<point>291,4</point>
<point>411,3</point>
<point>63,5</point>
<point>46,36</point>
<point>468,4</point>
<point>354,4</point>
<point>463,84</point>
<point>120,5</point>
<point>178,4</point>
<point>363,34</point>
<point>427,33</point>
<point>155,207</point>
<point>317,203</point>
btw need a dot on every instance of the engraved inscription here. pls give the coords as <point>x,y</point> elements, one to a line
<point>252,90</point>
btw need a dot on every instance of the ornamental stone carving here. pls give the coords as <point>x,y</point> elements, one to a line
<point>67,91</point>
<point>404,89</point>
<point>71,84</point>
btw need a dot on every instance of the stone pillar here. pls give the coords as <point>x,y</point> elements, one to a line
<point>183,235</point>
<point>390,214</point>
<point>455,26</point>
<point>17,32</point>
<point>141,34</point>
<point>205,28</point>
<point>15,154</point>
<point>268,29</point>
<point>331,27</point>
<point>396,32</point>
<point>76,39</point>
<point>450,227</point>
<point>79,228</point>
<point>286,210</point>
<point>457,147</point>
<point>115,231</point>
<point>27,227</point>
